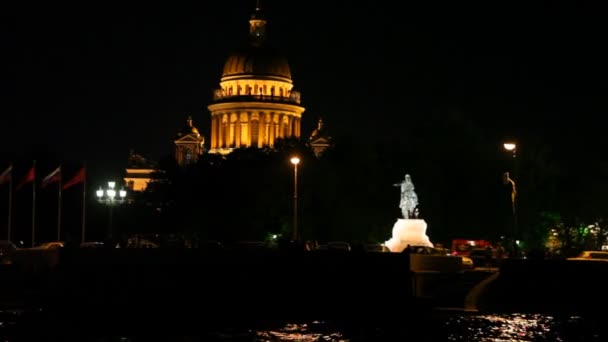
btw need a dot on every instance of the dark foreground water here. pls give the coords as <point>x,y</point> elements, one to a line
<point>15,325</point>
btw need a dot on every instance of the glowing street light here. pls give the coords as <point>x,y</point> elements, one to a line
<point>508,180</point>
<point>109,197</point>
<point>295,161</point>
<point>512,147</point>
<point>507,176</point>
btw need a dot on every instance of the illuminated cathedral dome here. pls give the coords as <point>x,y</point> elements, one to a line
<point>256,103</point>
<point>256,61</point>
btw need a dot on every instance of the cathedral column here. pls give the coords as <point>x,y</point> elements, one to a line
<point>231,139</point>
<point>267,132</point>
<point>217,131</point>
<point>220,130</point>
<point>287,128</point>
<point>224,130</point>
<point>214,132</point>
<point>275,127</point>
<point>237,133</point>
<point>249,130</point>
<point>262,129</point>
<point>299,127</point>
<point>270,129</point>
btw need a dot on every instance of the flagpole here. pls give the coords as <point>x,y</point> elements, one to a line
<point>84,200</point>
<point>59,208</point>
<point>10,205</point>
<point>34,205</point>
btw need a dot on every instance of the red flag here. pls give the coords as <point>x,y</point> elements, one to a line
<point>5,177</point>
<point>30,177</point>
<point>52,177</point>
<point>77,179</point>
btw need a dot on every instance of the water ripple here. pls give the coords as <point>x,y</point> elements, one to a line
<point>519,328</point>
<point>301,332</point>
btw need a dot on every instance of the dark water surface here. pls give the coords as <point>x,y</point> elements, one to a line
<point>20,325</point>
<point>149,295</point>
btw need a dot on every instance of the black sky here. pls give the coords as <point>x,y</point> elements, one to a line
<point>94,80</point>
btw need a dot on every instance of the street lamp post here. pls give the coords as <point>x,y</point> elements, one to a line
<point>295,161</point>
<point>109,198</point>
<point>508,180</point>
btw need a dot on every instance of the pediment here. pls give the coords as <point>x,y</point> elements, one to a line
<point>188,139</point>
<point>320,141</point>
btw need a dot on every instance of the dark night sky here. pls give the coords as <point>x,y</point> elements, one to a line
<point>92,81</point>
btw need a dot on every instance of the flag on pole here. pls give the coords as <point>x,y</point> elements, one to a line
<point>5,177</point>
<point>30,177</point>
<point>77,179</point>
<point>52,177</point>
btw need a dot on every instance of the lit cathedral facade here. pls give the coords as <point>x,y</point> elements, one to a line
<point>256,103</point>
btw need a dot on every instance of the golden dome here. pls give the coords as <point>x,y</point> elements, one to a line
<point>257,61</point>
<point>188,129</point>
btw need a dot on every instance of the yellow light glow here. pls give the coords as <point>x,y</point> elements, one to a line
<point>295,160</point>
<point>509,146</point>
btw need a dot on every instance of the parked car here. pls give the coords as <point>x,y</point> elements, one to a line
<point>592,256</point>
<point>148,244</point>
<point>338,246</point>
<point>92,244</point>
<point>376,247</point>
<point>141,243</point>
<point>467,263</point>
<point>483,257</point>
<point>51,245</point>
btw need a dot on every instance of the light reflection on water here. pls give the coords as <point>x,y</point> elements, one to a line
<point>520,328</point>
<point>450,327</point>
<point>300,332</point>
<point>460,328</point>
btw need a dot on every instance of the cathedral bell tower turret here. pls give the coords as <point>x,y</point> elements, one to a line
<point>189,145</point>
<point>257,26</point>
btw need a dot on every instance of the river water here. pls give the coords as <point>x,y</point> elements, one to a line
<point>439,327</point>
<point>495,328</point>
